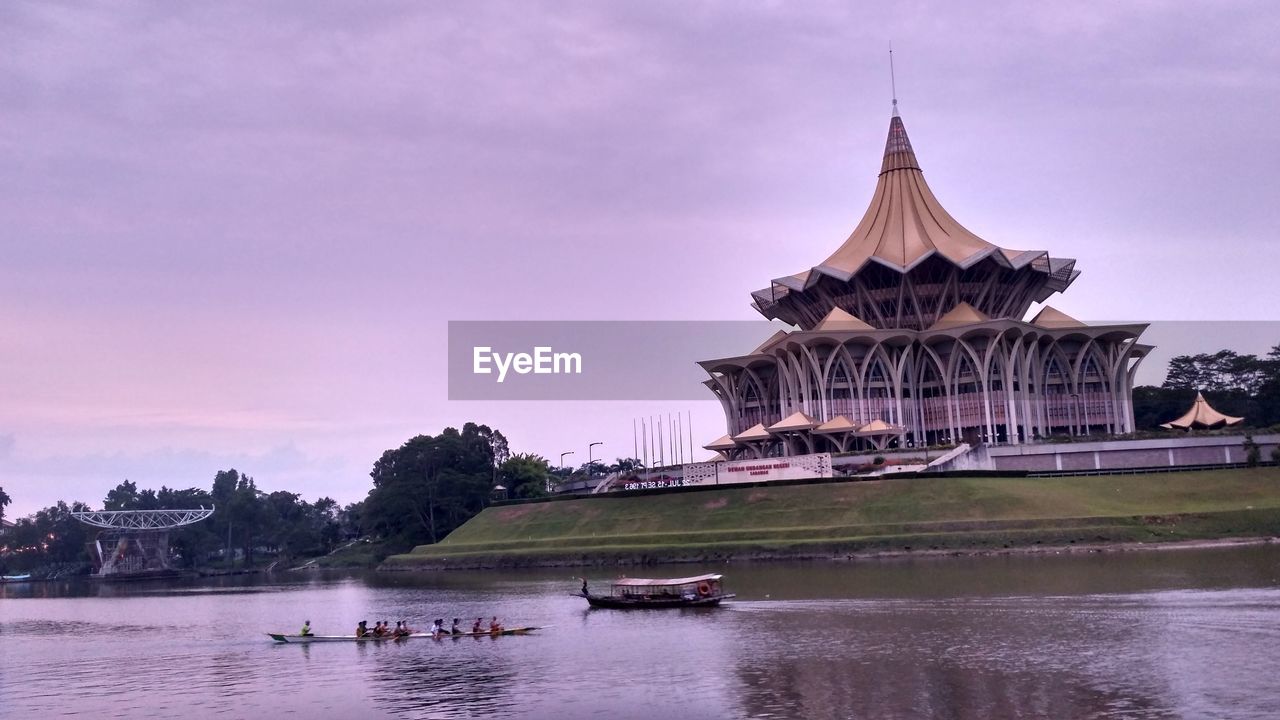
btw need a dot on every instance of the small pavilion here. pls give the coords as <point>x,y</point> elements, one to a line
<point>1201,416</point>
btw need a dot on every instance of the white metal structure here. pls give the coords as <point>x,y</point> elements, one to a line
<point>142,519</point>
<point>136,542</point>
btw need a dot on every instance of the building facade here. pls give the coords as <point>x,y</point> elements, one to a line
<point>913,333</point>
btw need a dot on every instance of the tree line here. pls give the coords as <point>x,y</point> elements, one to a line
<point>421,491</point>
<point>247,520</point>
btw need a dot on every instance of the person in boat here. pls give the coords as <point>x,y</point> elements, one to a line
<point>584,587</point>
<point>476,628</point>
<point>494,625</point>
<point>380,628</point>
<point>401,630</point>
<point>407,630</point>
<point>437,627</point>
<point>457,628</point>
<point>362,630</point>
<point>306,628</point>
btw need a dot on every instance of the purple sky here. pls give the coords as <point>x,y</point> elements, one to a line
<point>232,234</point>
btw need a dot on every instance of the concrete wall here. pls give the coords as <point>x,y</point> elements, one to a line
<point>1124,454</point>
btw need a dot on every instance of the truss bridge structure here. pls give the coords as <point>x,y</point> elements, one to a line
<point>135,543</point>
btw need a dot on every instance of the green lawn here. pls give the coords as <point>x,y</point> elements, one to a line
<point>909,512</point>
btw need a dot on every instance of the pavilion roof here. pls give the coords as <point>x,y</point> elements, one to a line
<point>792,422</point>
<point>1051,317</point>
<point>880,427</point>
<point>837,424</point>
<point>753,433</point>
<point>962,314</point>
<point>1201,415</point>
<point>839,320</point>
<point>723,443</point>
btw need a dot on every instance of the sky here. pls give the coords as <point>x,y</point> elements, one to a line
<point>233,234</point>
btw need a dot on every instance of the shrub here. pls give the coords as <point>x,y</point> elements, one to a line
<point>1252,453</point>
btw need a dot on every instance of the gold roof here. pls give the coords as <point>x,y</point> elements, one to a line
<point>840,321</point>
<point>903,226</point>
<point>880,427</point>
<point>905,223</point>
<point>962,314</point>
<point>1201,415</point>
<point>1052,318</point>
<point>837,424</point>
<point>794,421</point>
<point>753,433</point>
<point>724,443</point>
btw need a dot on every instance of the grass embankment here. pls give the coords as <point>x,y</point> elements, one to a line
<point>841,519</point>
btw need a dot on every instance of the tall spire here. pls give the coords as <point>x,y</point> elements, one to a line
<point>893,82</point>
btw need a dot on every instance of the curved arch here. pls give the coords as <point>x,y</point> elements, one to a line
<point>142,519</point>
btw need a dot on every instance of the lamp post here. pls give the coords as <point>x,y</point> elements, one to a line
<point>589,448</point>
<point>567,452</point>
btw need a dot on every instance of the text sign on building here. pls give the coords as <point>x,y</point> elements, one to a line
<point>796,467</point>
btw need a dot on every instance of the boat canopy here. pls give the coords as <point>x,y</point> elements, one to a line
<point>651,582</point>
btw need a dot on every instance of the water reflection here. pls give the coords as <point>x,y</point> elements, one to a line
<point>437,678</point>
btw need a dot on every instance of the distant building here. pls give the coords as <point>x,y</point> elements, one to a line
<point>912,333</point>
<point>1201,416</point>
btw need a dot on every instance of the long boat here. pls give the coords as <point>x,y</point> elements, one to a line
<point>283,638</point>
<point>641,593</point>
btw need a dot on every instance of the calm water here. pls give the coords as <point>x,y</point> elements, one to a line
<point>1187,634</point>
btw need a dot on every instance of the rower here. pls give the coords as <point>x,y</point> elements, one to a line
<point>306,629</point>
<point>378,629</point>
<point>362,630</point>
<point>494,625</point>
<point>400,630</point>
<point>476,628</point>
<point>437,627</point>
<point>455,630</point>
<point>584,587</point>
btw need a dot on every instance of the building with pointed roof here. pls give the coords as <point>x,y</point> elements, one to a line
<point>917,323</point>
<point>1201,416</point>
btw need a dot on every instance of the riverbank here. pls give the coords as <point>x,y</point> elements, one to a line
<point>865,519</point>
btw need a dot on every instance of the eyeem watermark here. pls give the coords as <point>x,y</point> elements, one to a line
<point>543,361</point>
<point>648,360</point>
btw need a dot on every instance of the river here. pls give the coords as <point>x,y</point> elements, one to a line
<point>1157,634</point>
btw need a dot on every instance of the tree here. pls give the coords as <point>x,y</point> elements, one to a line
<point>626,465</point>
<point>4,502</point>
<point>239,514</point>
<point>349,522</point>
<point>51,535</point>
<point>431,485</point>
<point>122,497</point>
<point>525,475</point>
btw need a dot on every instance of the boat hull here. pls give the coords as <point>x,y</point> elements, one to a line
<point>308,639</point>
<point>617,603</point>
